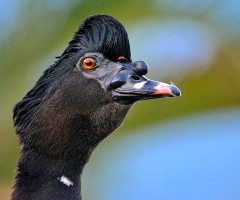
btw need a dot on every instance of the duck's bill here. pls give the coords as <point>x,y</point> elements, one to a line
<point>144,90</point>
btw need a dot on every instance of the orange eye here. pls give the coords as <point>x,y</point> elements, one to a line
<point>88,63</point>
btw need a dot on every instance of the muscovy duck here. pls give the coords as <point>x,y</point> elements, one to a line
<point>77,102</point>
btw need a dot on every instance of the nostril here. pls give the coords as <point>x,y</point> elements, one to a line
<point>136,78</point>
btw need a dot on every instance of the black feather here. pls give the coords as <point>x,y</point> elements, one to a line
<point>101,33</point>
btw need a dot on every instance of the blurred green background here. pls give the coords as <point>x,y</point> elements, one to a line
<point>195,44</point>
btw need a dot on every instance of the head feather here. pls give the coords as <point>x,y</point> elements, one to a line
<point>101,33</point>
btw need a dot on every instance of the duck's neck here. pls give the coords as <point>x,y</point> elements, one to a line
<point>52,169</point>
<point>56,149</point>
<point>42,177</point>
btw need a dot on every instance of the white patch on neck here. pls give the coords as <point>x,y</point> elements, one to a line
<point>65,181</point>
<point>139,85</point>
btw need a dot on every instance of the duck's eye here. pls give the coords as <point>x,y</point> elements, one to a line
<point>88,63</point>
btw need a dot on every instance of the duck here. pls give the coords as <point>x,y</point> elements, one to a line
<point>77,102</point>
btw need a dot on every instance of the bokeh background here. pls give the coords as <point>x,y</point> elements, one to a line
<point>183,148</point>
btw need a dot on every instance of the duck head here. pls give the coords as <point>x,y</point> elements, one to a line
<point>95,70</point>
<point>101,53</point>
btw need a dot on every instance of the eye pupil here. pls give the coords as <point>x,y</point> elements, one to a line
<point>89,63</point>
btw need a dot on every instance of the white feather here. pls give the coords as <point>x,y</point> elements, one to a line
<point>65,181</point>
